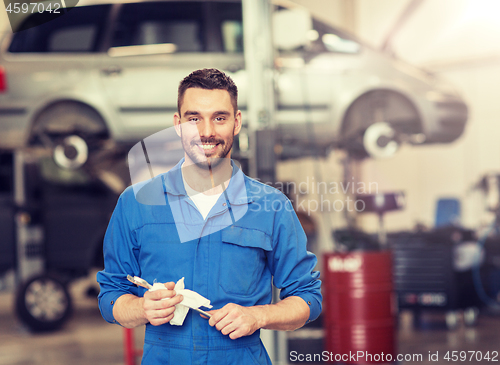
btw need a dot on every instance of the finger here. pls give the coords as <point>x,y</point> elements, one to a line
<point>160,313</point>
<point>224,317</point>
<point>162,304</point>
<point>166,303</point>
<point>164,311</point>
<point>159,294</point>
<point>228,328</point>
<point>170,285</point>
<point>160,321</point>
<point>236,334</point>
<point>243,329</point>
<point>223,323</point>
<point>217,315</point>
<point>212,320</point>
<point>159,303</point>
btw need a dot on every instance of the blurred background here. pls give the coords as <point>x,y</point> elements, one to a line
<point>377,118</point>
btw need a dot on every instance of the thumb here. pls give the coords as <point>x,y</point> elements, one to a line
<point>170,285</point>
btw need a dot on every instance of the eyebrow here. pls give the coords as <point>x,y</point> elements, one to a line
<point>193,112</point>
<point>222,112</point>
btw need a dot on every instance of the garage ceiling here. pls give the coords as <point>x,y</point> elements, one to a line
<point>439,33</point>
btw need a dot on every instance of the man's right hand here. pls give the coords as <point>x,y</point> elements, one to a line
<point>159,305</point>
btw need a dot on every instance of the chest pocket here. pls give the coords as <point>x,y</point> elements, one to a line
<point>243,259</point>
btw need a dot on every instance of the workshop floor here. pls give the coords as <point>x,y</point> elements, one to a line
<point>87,339</point>
<point>84,340</point>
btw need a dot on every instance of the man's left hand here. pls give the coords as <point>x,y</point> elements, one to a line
<point>235,320</point>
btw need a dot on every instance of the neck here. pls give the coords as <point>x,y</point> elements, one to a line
<point>209,180</point>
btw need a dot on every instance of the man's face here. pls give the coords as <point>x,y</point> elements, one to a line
<point>207,125</point>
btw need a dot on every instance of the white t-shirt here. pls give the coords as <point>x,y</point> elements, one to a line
<point>203,202</point>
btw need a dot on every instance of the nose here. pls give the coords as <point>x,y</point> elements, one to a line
<point>206,129</point>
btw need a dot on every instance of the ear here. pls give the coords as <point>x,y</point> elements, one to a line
<point>177,124</point>
<point>237,122</point>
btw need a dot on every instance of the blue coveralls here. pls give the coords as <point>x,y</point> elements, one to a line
<point>227,262</point>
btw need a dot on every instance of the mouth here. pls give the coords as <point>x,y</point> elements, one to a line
<point>207,148</point>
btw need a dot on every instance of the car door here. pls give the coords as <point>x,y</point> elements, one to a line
<point>154,45</point>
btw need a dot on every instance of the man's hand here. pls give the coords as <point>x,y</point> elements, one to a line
<point>235,320</point>
<point>157,309</point>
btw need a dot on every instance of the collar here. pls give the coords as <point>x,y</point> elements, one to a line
<point>236,193</point>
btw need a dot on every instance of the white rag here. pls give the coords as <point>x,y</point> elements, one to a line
<point>191,300</point>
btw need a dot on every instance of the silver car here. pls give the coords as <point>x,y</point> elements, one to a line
<point>110,71</point>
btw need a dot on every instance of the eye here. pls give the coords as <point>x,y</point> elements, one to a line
<point>193,120</point>
<point>220,119</point>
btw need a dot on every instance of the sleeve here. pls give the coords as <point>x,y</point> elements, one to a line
<point>291,264</point>
<point>120,251</point>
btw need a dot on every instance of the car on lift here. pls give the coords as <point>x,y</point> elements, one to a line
<point>109,70</point>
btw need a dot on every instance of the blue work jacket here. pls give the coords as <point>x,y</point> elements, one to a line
<point>250,240</point>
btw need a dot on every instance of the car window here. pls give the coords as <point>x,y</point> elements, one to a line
<point>63,40</point>
<point>177,23</point>
<point>229,21</point>
<point>186,26</point>
<point>232,36</point>
<point>78,30</point>
<point>324,38</point>
<point>327,39</point>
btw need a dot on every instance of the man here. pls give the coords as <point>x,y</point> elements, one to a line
<point>229,236</point>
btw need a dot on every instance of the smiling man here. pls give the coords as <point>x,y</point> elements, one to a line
<point>211,229</point>
<point>212,139</point>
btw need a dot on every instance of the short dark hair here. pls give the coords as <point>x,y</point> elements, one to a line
<point>209,79</point>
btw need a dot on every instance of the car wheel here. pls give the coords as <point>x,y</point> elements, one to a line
<point>380,141</point>
<point>43,303</point>
<point>71,153</point>
<point>373,122</point>
<point>73,131</point>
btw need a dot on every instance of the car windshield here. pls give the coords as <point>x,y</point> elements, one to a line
<point>326,38</point>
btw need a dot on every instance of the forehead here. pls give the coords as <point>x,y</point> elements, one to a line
<point>202,100</point>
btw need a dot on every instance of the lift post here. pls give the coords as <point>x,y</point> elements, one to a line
<point>259,65</point>
<point>29,236</point>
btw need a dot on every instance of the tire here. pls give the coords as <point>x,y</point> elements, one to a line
<point>377,107</point>
<point>72,153</point>
<point>72,130</point>
<point>43,303</point>
<point>379,140</point>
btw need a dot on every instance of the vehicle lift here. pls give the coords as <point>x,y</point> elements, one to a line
<point>53,221</point>
<point>24,244</point>
<point>29,236</point>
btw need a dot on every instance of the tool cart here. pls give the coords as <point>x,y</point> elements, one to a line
<point>426,275</point>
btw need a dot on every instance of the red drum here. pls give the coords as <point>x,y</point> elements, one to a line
<point>359,307</point>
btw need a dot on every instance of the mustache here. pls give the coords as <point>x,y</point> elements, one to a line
<point>208,141</point>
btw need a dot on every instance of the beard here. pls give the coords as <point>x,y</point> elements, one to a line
<point>211,159</point>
